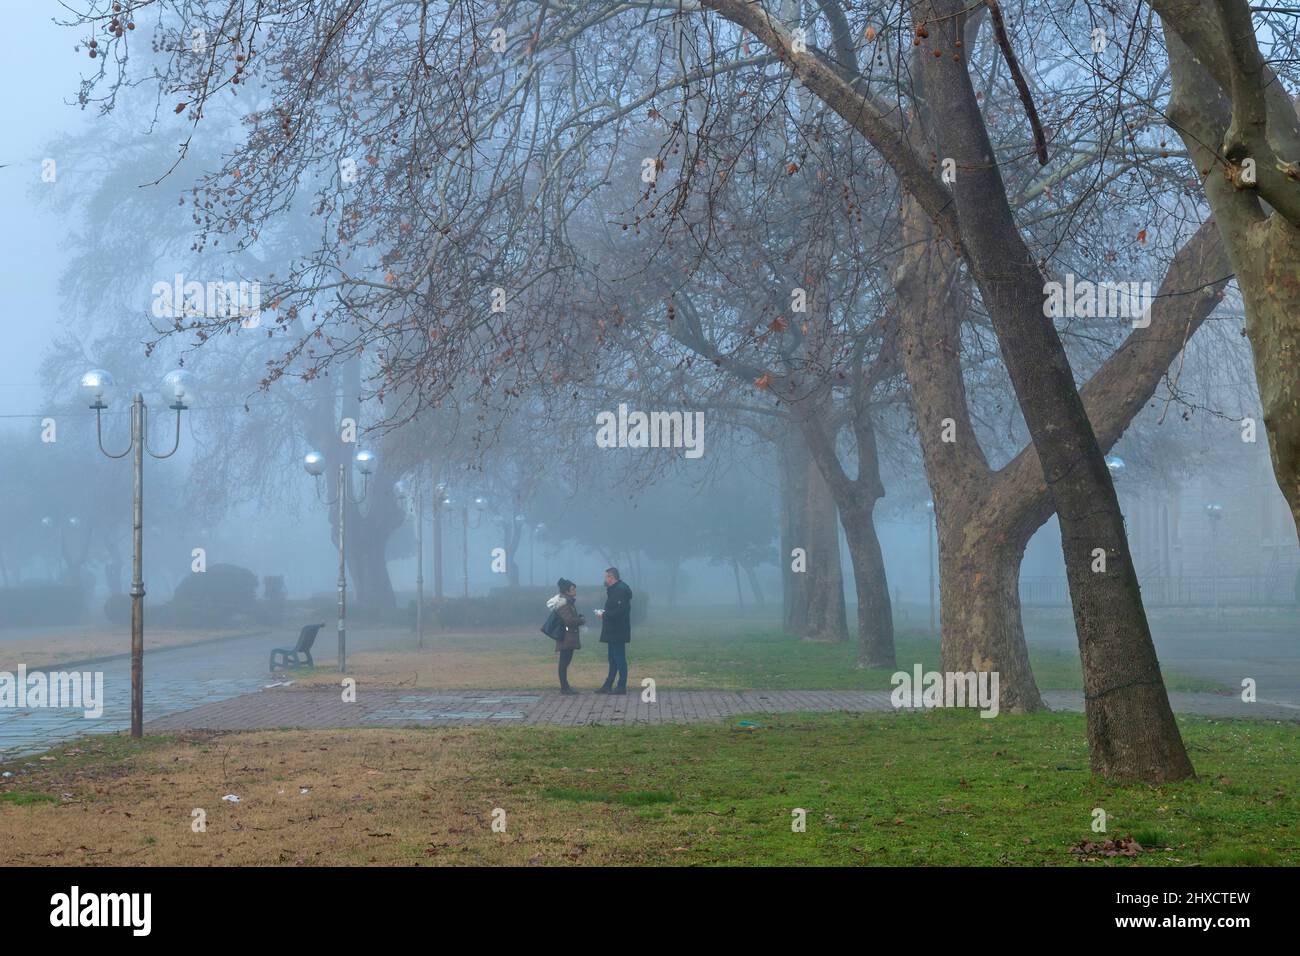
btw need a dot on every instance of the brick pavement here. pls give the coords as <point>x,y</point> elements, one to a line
<point>323,708</point>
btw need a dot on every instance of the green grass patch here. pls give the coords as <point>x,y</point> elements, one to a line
<point>937,788</point>
<point>25,798</point>
<point>754,653</point>
<point>636,798</point>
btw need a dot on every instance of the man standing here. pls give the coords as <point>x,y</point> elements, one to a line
<point>616,630</point>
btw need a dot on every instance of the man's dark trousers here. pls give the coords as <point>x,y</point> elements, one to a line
<point>616,632</point>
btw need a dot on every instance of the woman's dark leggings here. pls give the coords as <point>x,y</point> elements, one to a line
<point>565,658</point>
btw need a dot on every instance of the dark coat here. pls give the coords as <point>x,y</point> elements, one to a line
<point>616,624</point>
<point>572,621</point>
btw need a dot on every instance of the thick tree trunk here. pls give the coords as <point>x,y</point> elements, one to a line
<point>1131,727</point>
<point>875,612</point>
<point>1263,244</point>
<point>980,551</point>
<point>826,616</point>
<point>855,499</point>
<point>980,542</point>
<point>369,569</point>
<point>813,599</point>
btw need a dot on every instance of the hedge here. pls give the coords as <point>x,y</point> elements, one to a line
<point>512,607</point>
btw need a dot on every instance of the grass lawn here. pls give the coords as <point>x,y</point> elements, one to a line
<point>941,787</point>
<point>704,650</point>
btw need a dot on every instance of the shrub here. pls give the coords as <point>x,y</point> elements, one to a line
<point>510,607</point>
<point>223,594</point>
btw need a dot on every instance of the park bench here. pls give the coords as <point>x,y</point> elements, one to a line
<point>301,653</point>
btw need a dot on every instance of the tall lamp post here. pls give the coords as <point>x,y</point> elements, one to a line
<point>440,500</point>
<point>97,385</point>
<point>365,461</point>
<point>409,495</point>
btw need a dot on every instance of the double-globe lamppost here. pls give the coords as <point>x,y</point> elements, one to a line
<point>98,386</point>
<point>365,462</point>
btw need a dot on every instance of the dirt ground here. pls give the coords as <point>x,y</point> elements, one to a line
<point>305,798</point>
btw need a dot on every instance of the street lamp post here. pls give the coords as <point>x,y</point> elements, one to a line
<point>365,461</point>
<point>97,385</point>
<point>439,500</point>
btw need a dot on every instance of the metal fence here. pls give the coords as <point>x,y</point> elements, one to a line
<point>1244,591</point>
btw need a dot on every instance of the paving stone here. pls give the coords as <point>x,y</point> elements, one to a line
<point>269,709</point>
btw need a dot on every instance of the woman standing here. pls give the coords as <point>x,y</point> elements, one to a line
<point>563,605</point>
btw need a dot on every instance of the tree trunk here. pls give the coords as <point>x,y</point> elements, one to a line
<point>813,599</point>
<point>740,595</point>
<point>1131,727</point>
<point>755,587</point>
<point>1263,244</point>
<point>875,612</point>
<point>856,500</point>
<point>980,551</point>
<point>369,570</point>
<point>794,585</point>
<point>826,617</point>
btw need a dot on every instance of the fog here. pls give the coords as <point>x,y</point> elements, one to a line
<point>492,433</point>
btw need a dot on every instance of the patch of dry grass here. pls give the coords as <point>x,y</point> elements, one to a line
<point>940,788</point>
<point>372,797</point>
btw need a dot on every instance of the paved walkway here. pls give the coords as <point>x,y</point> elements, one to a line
<point>324,708</point>
<point>175,679</point>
